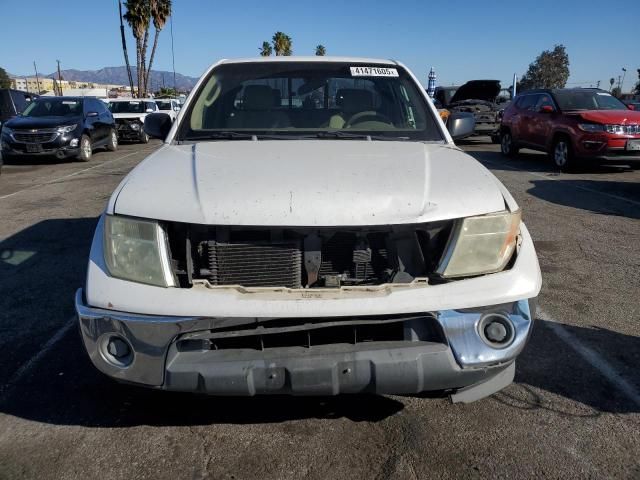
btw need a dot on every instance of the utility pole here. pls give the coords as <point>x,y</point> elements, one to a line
<point>124,48</point>
<point>624,73</point>
<point>59,79</point>
<point>598,84</point>
<point>173,60</point>
<point>37,78</point>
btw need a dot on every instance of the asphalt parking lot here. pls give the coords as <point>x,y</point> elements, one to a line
<point>573,411</point>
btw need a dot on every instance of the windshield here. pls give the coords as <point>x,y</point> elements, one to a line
<point>587,100</point>
<point>127,107</point>
<point>294,99</point>
<point>164,105</point>
<point>55,107</point>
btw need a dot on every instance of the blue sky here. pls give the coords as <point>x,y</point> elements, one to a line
<point>461,40</point>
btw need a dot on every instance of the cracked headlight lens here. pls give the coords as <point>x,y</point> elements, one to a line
<point>136,250</point>
<point>482,244</point>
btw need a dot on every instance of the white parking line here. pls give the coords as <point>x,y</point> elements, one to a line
<point>592,358</point>
<point>75,173</point>
<point>562,180</point>
<point>29,364</point>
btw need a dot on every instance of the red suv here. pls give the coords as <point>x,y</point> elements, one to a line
<point>572,125</point>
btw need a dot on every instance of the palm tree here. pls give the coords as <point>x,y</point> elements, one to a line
<point>138,17</point>
<point>160,11</point>
<point>282,44</point>
<point>321,51</point>
<point>266,49</point>
<point>288,46</point>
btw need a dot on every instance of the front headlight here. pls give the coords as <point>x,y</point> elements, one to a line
<point>66,128</point>
<point>481,245</point>
<point>591,127</point>
<point>6,131</point>
<point>136,250</point>
<point>135,126</point>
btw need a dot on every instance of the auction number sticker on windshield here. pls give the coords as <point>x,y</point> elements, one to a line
<point>373,72</point>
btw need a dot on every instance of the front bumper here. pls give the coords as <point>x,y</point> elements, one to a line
<point>460,360</point>
<point>59,146</point>
<point>607,148</point>
<point>128,134</point>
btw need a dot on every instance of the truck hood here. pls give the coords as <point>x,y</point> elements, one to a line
<point>307,183</point>
<point>616,117</point>
<point>486,90</point>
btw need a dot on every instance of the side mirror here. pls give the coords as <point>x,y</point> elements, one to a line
<point>461,125</point>
<point>149,110</point>
<point>546,109</point>
<point>157,125</point>
<point>631,106</point>
<point>92,114</point>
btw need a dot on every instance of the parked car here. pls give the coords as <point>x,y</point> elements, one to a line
<point>170,106</point>
<point>479,97</point>
<point>632,104</point>
<point>61,127</point>
<point>129,114</point>
<point>13,103</point>
<point>573,125</point>
<point>276,245</point>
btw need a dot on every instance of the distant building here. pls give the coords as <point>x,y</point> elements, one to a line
<point>69,87</point>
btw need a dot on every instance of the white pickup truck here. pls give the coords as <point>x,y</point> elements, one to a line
<point>310,227</point>
<point>129,114</point>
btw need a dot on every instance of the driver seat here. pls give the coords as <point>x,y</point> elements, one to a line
<point>350,101</point>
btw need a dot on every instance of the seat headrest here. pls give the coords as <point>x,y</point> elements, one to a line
<point>257,97</point>
<point>354,99</point>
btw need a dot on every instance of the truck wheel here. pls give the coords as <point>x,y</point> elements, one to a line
<point>562,154</point>
<point>506,145</point>
<point>112,145</point>
<point>85,149</point>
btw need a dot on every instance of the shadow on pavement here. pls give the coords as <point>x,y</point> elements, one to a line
<point>533,161</point>
<point>40,269</point>
<point>63,388</point>
<point>582,195</point>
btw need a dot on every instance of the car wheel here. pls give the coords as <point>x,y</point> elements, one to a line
<point>85,149</point>
<point>506,145</point>
<point>144,138</point>
<point>112,145</point>
<point>562,155</point>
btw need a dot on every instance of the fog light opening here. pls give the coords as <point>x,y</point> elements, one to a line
<point>116,351</point>
<point>496,330</point>
<point>59,154</point>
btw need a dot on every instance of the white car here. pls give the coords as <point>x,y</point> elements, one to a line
<point>129,114</point>
<point>170,106</point>
<point>310,227</point>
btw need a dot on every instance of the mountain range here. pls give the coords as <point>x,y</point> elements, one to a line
<point>118,76</point>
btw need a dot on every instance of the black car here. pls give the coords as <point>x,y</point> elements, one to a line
<point>61,127</point>
<point>13,103</point>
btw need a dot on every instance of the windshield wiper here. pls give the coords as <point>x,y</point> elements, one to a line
<point>356,136</point>
<point>223,136</point>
